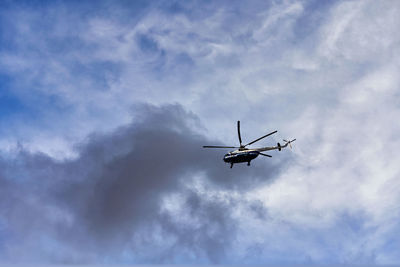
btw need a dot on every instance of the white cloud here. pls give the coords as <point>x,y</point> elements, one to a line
<point>361,31</point>
<point>347,162</point>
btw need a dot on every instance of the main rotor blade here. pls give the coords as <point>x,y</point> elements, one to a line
<point>240,138</point>
<point>265,155</point>
<point>260,138</point>
<point>220,147</point>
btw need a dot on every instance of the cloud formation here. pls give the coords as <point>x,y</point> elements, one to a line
<point>325,73</point>
<point>147,190</point>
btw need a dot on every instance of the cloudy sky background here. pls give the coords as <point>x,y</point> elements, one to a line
<point>104,108</point>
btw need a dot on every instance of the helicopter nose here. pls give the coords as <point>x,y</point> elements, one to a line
<point>228,157</point>
<point>225,157</point>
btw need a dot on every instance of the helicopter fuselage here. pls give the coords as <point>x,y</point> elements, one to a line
<point>241,156</point>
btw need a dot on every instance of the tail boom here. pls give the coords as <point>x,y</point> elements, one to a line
<point>278,146</point>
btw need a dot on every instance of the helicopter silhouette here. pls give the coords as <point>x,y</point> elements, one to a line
<point>244,154</point>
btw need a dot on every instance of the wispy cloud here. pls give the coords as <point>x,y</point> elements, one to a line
<point>323,73</point>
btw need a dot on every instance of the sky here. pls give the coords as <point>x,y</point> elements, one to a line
<point>105,106</point>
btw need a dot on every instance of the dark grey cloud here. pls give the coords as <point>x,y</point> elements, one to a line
<point>107,203</point>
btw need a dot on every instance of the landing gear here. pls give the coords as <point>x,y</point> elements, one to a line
<point>248,163</point>
<point>231,165</point>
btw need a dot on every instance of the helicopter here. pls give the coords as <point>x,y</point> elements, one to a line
<point>244,154</point>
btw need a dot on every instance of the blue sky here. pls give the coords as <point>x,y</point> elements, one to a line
<point>91,93</point>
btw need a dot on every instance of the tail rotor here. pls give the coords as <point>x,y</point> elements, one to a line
<point>289,142</point>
